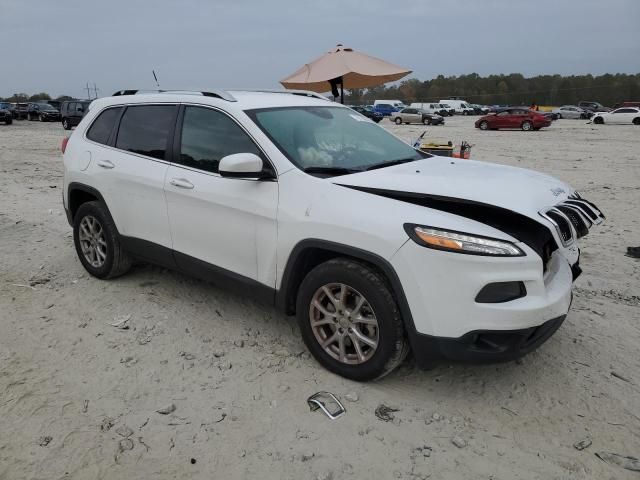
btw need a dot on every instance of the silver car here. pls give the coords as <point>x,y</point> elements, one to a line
<point>570,111</point>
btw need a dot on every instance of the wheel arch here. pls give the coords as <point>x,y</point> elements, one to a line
<point>79,193</point>
<point>309,253</point>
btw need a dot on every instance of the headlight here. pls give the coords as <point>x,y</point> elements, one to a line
<point>460,242</point>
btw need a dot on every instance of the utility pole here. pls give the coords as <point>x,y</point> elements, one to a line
<point>88,89</point>
<point>95,89</point>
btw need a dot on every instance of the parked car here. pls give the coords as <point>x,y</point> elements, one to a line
<point>570,111</point>
<point>459,107</point>
<point>55,104</point>
<point>462,260</point>
<point>593,107</point>
<point>479,109</point>
<point>625,115</point>
<point>43,112</point>
<point>449,109</point>
<point>416,115</point>
<point>520,118</point>
<point>397,104</point>
<point>385,109</point>
<point>6,116</point>
<point>20,111</point>
<point>72,111</point>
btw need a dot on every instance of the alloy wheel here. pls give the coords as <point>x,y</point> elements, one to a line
<point>92,241</point>
<point>344,323</point>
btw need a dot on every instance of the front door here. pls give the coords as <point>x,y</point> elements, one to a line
<point>229,223</point>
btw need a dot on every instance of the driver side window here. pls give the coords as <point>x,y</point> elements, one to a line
<point>209,135</point>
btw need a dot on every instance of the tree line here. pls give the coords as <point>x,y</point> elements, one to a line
<point>37,97</point>
<point>512,89</point>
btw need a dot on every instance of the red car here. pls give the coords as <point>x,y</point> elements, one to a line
<point>520,118</point>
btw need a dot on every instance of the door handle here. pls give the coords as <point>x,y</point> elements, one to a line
<point>181,183</point>
<point>105,164</point>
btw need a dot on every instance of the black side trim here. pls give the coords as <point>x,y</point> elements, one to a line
<point>168,258</point>
<point>501,292</point>
<point>534,234</point>
<point>75,186</point>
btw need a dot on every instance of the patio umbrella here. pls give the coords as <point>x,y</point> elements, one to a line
<point>345,67</point>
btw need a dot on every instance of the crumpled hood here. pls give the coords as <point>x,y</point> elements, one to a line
<point>516,189</point>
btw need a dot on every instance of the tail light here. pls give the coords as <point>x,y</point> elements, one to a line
<point>63,147</point>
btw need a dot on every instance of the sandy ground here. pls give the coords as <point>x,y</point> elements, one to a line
<point>78,397</point>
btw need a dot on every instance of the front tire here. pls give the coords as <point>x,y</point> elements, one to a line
<point>398,121</point>
<point>527,126</point>
<point>426,121</point>
<point>350,321</point>
<point>636,121</point>
<point>484,125</point>
<point>598,120</point>
<point>97,242</point>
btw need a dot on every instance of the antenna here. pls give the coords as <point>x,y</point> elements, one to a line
<point>156,78</point>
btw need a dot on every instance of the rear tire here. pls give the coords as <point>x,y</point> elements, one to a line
<point>484,125</point>
<point>426,121</point>
<point>398,121</point>
<point>347,282</point>
<point>97,242</point>
<point>527,126</point>
<point>8,121</point>
<point>636,121</point>
<point>598,120</point>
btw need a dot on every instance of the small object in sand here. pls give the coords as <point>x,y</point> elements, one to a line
<point>124,431</point>
<point>628,463</point>
<point>582,444</point>
<point>283,352</point>
<point>633,252</point>
<point>243,453</point>
<point>121,322</point>
<point>128,361</point>
<point>459,442</point>
<point>125,444</point>
<point>621,377</point>
<point>352,397</point>
<point>385,413</point>
<point>44,441</point>
<point>106,424</point>
<point>239,343</point>
<point>305,457</point>
<point>187,356</point>
<point>320,401</point>
<point>218,353</point>
<point>167,410</point>
<point>436,416</point>
<point>193,461</point>
<point>85,407</point>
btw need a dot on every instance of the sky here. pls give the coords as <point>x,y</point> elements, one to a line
<point>57,46</point>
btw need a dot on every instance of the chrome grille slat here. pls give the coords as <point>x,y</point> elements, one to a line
<point>573,218</point>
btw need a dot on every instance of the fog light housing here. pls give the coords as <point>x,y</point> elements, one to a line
<point>500,292</point>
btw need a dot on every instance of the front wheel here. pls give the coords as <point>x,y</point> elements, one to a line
<point>484,125</point>
<point>598,120</point>
<point>97,242</point>
<point>426,121</point>
<point>527,126</point>
<point>350,321</point>
<point>636,121</point>
<point>398,121</point>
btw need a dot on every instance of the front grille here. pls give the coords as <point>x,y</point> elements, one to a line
<point>573,218</point>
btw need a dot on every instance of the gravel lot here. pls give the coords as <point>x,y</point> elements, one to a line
<point>79,397</point>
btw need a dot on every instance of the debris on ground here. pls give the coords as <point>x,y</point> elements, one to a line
<point>582,444</point>
<point>85,406</point>
<point>106,424</point>
<point>125,444</point>
<point>459,442</point>
<point>385,413</point>
<point>45,441</point>
<point>352,397</point>
<point>121,322</point>
<point>621,377</point>
<point>321,400</point>
<point>628,463</point>
<point>124,431</point>
<point>167,410</point>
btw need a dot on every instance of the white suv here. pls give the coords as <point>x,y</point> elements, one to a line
<point>377,247</point>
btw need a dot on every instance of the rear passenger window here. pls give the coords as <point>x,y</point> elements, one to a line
<point>208,135</point>
<point>144,129</point>
<point>101,128</point>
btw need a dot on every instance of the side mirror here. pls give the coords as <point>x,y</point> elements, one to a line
<point>241,165</point>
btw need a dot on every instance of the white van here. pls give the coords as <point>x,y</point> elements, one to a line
<point>460,106</point>
<point>434,108</point>
<point>394,103</point>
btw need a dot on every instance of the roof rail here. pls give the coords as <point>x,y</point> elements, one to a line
<point>222,94</point>
<point>303,93</point>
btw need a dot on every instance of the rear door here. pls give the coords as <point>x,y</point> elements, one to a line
<point>229,223</point>
<point>129,169</point>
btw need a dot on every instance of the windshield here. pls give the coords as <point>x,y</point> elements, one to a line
<point>331,138</point>
<point>4,106</point>
<point>45,106</point>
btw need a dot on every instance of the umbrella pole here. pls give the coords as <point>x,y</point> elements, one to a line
<point>342,92</point>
